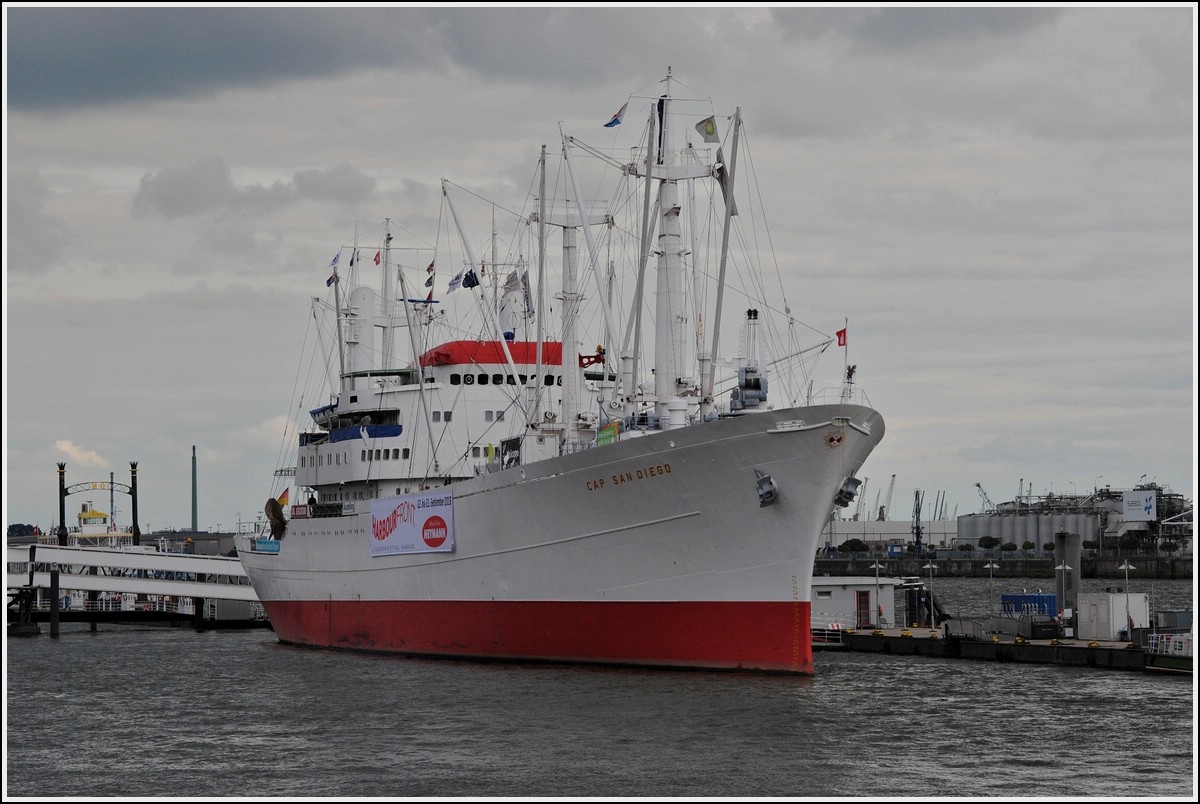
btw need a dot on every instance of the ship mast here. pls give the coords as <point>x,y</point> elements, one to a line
<point>671,385</point>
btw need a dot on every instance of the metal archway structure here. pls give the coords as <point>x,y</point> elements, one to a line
<point>98,485</point>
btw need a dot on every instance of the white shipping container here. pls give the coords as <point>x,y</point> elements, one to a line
<point>1102,614</point>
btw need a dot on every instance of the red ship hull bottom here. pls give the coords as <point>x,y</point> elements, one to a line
<point>750,636</point>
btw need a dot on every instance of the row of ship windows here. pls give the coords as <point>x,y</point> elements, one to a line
<point>340,458</point>
<point>488,415</point>
<point>499,379</point>
<point>365,455</point>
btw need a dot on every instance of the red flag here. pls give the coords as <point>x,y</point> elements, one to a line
<point>841,336</point>
<point>376,257</point>
<point>430,296</point>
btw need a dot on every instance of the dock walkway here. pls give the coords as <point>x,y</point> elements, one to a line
<point>126,584</point>
<point>945,644</point>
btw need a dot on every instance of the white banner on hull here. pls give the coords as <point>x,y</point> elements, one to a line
<point>413,523</point>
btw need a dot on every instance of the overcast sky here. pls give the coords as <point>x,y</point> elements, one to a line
<point>1000,201</point>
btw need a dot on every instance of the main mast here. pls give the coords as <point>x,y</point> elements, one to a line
<point>673,380</point>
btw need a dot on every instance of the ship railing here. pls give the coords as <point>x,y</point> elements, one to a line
<point>826,636</point>
<point>324,510</point>
<point>839,396</point>
<point>1169,643</point>
<point>171,604</point>
<point>168,604</point>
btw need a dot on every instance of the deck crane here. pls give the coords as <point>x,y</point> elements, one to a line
<point>862,499</point>
<point>887,503</point>
<point>987,501</point>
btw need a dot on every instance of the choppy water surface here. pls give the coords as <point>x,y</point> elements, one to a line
<point>170,712</point>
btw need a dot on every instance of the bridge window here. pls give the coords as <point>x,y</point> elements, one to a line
<point>447,415</point>
<point>474,452</point>
<point>396,454</point>
<point>404,453</point>
<point>483,379</point>
<point>456,379</point>
<point>437,415</point>
<point>468,379</point>
<point>549,380</point>
<point>499,415</point>
<point>487,415</point>
<point>364,456</point>
<point>497,379</point>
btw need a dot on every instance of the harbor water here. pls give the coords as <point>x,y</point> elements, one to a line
<point>135,712</point>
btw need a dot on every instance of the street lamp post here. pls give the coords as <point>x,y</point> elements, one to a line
<point>878,606</point>
<point>1128,622</point>
<point>991,565</point>
<point>1062,603</point>
<point>932,612</point>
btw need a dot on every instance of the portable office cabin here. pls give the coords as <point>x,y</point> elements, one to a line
<point>1102,614</point>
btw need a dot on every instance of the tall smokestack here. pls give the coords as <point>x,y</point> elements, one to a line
<point>194,519</point>
<point>137,530</point>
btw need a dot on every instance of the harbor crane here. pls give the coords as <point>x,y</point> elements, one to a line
<point>887,503</point>
<point>862,500</point>
<point>916,527</point>
<point>987,501</point>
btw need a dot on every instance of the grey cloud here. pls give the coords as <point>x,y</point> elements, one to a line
<point>66,58</point>
<point>190,190</point>
<point>35,237</point>
<point>907,28</point>
<point>207,186</point>
<point>342,183</point>
<point>904,28</point>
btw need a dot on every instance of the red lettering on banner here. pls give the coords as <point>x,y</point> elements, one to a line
<point>381,529</point>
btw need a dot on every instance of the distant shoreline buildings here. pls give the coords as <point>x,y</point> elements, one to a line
<point>1147,518</point>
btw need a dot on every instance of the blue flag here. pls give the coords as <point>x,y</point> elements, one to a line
<point>616,118</point>
<point>333,263</point>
